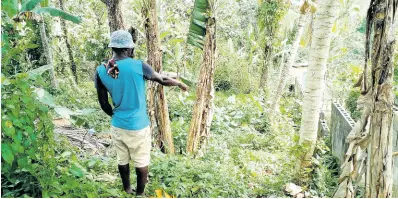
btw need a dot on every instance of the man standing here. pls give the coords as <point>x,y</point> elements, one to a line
<point>124,78</point>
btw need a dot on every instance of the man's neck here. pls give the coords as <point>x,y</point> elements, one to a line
<point>119,57</point>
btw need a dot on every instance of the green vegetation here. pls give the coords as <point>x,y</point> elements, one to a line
<point>250,152</point>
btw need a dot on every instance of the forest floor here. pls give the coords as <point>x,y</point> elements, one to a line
<point>248,155</point>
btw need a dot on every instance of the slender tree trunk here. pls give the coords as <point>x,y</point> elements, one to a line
<point>202,115</point>
<point>315,78</point>
<point>288,64</point>
<point>115,18</point>
<point>157,104</point>
<point>47,52</point>
<point>380,161</point>
<point>68,47</point>
<point>266,64</point>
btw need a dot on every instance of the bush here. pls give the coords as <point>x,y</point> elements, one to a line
<point>33,163</point>
<point>234,72</point>
<point>351,104</point>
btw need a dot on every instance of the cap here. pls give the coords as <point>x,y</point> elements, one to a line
<point>121,39</point>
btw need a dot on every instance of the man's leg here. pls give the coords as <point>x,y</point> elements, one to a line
<point>123,156</point>
<point>142,179</point>
<point>124,171</point>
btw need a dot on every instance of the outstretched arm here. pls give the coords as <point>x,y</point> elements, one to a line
<point>162,79</point>
<point>102,96</point>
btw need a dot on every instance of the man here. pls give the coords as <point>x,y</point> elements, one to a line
<point>124,78</point>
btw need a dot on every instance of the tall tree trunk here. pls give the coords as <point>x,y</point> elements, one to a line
<point>115,18</point>
<point>380,160</point>
<point>70,54</point>
<point>289,63</point>
<point>266,64</point>
<point>315,78</point>
<point>202,115</point>
<point>47,52</point>
<point>157,104</point>
<point>372,149</point>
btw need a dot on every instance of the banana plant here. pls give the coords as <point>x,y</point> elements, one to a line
<point>16,9</point>
<point>197,28</point>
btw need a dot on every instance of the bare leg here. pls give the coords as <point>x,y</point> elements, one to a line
<point>124,171</point>
<point>142,179</point>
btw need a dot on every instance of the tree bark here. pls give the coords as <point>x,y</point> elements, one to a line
<point>157,103</point>
<point>47,52</point>
<point>115,18</point>
<point>266,64</point>
<point>289,63</point>
<point>377,116</point>
<point>68,47</point>
<point>380,160</point>
<point>319,53</point>
<point>202,115</point>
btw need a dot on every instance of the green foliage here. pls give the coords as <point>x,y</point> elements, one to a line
<point>84,112</point>
<point>184,176</point>
<point>351,104</point>
<point>292,108</point>
<point>242,110</point>
<point>234,73</point>
<point>325,170</point>
<point>14,44</point>
<point>33,164</point>
<point>197,28</point>
<point>180,111</point>
<point>26,134</point>
<point>362,27</point>
<point>269,14</point>
<point>29,5</point>
<point>55,12</point>
<point>10,7</point>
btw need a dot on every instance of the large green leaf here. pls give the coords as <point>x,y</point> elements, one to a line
<point>40,70</point>
<point>76,171</point>
<point>16,51</point>
<point>45,97</point>
<point>57,13</point>
<point>6,153</point>
<point>10,7</point>
<point>197,28</point>
<point>29,5</point>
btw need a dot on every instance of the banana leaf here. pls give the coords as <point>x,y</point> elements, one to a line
<point>57,13</point>
<point>197,28</point>
<point>29,5</point>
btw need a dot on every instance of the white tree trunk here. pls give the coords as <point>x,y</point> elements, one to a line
<point>315,77</point>
<point>47,51</point>
<point>289,63</point>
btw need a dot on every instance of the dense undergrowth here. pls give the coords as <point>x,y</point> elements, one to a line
<point>248,155</point>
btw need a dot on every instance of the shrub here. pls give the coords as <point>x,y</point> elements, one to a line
<point>33,163</point>
<point>351,104</point>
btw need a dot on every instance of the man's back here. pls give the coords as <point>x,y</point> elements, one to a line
<point>128,94</point>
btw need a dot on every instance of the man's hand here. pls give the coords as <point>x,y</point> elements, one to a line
<point>183,87</point>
